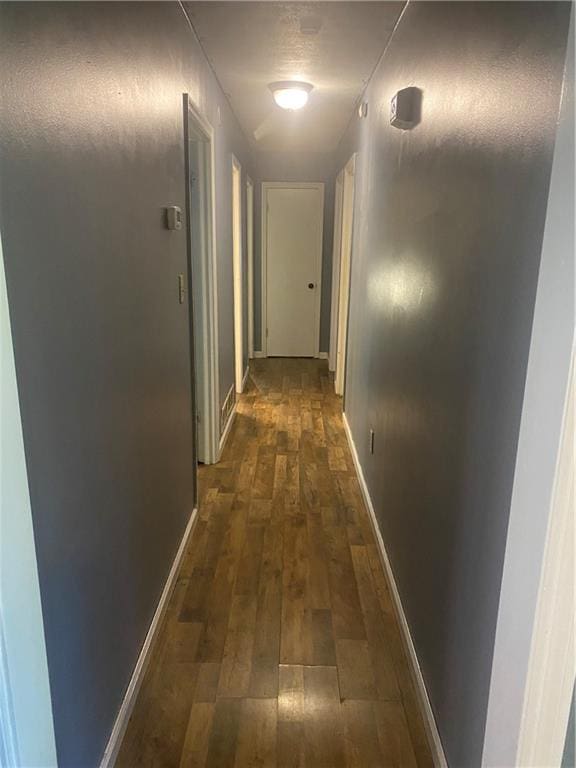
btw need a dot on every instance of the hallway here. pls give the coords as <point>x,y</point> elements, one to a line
<point>323,251</point>
<point>280,646</point>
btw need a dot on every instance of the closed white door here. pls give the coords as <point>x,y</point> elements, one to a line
<point>294,217</point>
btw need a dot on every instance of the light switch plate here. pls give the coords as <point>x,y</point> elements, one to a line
<point>173,217</point>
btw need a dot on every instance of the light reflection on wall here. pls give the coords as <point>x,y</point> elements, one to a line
<point>108,101</point>
<point>409,418</point>
<point>404,284</point>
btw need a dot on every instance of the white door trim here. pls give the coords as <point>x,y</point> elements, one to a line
<point>8,740</point>
<point>196,125</point>
<point>336,251</point>
<point>552,666</point>
<point>250,262</point>
<point>26,717</point>
<point>237,272</point>
<point>266,185</point>
<point>345,264</point>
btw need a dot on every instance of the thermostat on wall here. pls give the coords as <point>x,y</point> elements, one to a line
<point>405,108</point>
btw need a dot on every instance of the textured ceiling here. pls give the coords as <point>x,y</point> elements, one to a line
<point>333,45</point>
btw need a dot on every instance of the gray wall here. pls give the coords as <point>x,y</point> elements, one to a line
<point>296,166</point>
<point>448,231</point>
<point>543,413</point>
<point>91,149</point>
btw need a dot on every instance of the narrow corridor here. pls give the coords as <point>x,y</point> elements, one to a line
<point>280,646</point>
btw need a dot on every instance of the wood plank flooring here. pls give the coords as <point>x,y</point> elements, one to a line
<point>280,648</point>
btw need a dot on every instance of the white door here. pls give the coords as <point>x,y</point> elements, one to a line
<point>294,216</point>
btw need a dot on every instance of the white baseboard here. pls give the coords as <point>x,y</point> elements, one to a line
<point>119,729</point>
<point>429,720</point>
<point>245,377</point>
<point>226,431</point>
<point>323,355</point>
<point>259,354</point>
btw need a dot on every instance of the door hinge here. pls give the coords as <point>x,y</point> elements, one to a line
<point>266,332</point>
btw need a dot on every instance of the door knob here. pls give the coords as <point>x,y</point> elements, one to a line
<point>311,285</point>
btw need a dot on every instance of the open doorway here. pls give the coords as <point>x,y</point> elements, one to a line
<point>342,256</point>
<point>202,285</point>
<point>237,272</point>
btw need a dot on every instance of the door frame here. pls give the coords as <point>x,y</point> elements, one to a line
<point>26,716</point>
<point>237,273</point>
<point>344,274</point>
<point>336,251</point>
<point>551,667</point>
<point>266,185</point>
<point>207,434</point>
<point>250,261</point>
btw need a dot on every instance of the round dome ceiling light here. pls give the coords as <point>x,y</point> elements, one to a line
<point>289,94</point>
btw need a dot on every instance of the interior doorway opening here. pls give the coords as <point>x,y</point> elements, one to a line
<point>202,281</point>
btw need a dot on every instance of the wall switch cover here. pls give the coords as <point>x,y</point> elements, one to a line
<point>173,217</point>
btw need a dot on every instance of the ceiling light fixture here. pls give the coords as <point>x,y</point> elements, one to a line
<point>289,94</point>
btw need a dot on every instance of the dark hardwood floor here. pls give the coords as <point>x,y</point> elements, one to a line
<point>280,646</point>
